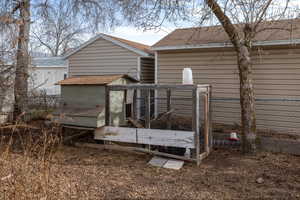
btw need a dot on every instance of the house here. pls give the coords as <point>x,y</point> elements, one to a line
<point>44,72</point>
<point>84,101</point>
<point>105,54</point>
<point>208,51</point>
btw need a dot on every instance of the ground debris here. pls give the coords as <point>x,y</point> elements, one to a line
<point>6,177</point>
<point>260,180</point>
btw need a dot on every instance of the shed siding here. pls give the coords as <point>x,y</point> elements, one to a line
<point>276,79</point>
<point>103,57</point>
<point>147,70</point>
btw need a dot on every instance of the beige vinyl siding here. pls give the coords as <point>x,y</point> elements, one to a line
<point>103,57</point>
<point>147,70</point>
<point>276,78</point>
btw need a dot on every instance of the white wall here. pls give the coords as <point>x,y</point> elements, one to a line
<point>44,78</point>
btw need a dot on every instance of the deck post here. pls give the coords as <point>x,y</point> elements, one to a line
<point>169,124</point>
<point>107,106</point>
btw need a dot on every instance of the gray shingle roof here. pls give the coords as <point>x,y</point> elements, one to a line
<point>49,62</point>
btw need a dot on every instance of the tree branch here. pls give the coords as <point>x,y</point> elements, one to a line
<point>225,21</point>
<point>261,16</point>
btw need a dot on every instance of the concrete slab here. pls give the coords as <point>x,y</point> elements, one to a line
<point>158,161</point>
<point>173,164</point>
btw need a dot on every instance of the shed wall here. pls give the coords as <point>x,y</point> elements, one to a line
<point>147,70</point>
<point>276,82</point>
<point>103,57</point>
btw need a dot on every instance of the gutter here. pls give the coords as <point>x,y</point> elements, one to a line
<point>226,45</point>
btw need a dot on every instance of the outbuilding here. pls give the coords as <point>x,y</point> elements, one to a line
<point>106,54</point>
<point>83,101</point>
<point>210,55</point>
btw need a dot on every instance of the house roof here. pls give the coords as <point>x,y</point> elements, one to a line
<point>138,48</point>
<point>93,80</point>
<point>49,62</point>
<point>137,45</point>
<point>272,33</point>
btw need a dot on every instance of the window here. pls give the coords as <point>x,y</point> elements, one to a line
<point>65,76</point>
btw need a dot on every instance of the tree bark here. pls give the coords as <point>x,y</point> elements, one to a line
<point>21,73</point>
<point>247,100</point>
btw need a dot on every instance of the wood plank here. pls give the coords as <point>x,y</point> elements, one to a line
<point>156,86</point>
<point>116,134</point>
<point>206,123</point>
<point>195,122</point>
<point>135,123</point>
<point>184,139</point>
<point>131,149</point>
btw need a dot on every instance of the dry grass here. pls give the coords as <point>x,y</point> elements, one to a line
<point>34,166</point>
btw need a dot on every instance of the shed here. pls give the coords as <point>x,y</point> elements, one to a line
<point>208,51</point>
<point>83,101</point>
<point>106,54</point>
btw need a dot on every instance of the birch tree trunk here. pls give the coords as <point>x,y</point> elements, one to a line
<point>21,74</point>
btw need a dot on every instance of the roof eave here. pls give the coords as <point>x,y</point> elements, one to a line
<point>224,45</point>
<point>135,50</point>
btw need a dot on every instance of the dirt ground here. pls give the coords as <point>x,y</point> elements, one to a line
<point>84,173</point>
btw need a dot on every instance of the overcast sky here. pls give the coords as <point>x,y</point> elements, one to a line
<point>152,36</point>
<point>146,37</point>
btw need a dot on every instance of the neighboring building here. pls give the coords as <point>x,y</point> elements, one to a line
<point>6,91</point>
<point>84,101</point>
<point>208,51</point>
<point>45,72</point>
<point>105,54</point>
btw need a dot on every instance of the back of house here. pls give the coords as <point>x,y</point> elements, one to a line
<point>208,51</point>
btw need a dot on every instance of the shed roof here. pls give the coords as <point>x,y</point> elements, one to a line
<point>139,48</point>
<point>49,62</point>
<point>94,80</point>
<point>271,32</point>
<point>137,45</point>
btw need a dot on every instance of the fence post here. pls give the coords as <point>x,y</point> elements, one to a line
<point>134,105</point>
<point>206,121</point>
<point>107,106</point>
<point>147,109</point>
<point>196,124</point>
<point>169,124</point>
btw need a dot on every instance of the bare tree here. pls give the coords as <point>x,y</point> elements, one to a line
<point>19,13</point>
<point>58,30</point>
<point>242,20</point>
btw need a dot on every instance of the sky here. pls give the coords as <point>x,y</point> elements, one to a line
<point>148,37</point>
